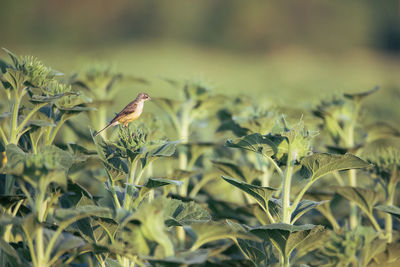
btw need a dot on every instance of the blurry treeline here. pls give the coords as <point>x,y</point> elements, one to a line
<point>230,24</point>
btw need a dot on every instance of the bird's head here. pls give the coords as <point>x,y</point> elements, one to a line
<point>143,97</point>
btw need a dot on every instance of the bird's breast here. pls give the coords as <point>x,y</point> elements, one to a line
<point>134,115</point>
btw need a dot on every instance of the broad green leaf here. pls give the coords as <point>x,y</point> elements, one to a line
<point>303,207</point>
<point>393,210</point>
<point>182,259</point>
<point>36,99</point>
<point>15,157</point>
<point>166,149</point>
<point>212,231</point>
<point>115,166</point>
<point>320,164</point>
<point>258,252</point>
<point>112,263</point>
<point>178,213</point>
<point>363,198</point>
<point>64,243</point>
<point>56,158</point>
<point>178,174</point>
<point>152,217</point>
<point>286,237</point>
<point>40,123</point>
<point>260,193</point>
<point>263,144</point>
<point>233,170</point>
<point>81,212</point>
<point>159,182</point>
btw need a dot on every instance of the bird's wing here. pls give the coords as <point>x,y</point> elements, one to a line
<point>130,108</point>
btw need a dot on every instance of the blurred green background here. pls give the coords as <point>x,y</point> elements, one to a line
<point>291,53</point>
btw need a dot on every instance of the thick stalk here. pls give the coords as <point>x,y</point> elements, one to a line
<point>14,118</point>
<point>130,182</point>
<point>39,234</point>
<point>286,184</point>
<point>55,131</point>
<point>352,173</point>
<point>389,202</point>
<point>285,262</point>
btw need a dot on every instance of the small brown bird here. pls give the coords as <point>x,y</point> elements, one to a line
<point>130,113</point>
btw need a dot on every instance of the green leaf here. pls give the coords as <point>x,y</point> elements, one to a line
<point>393,210</point>
<point>233,170</point>
<point>363,198</point>
<point>45,99</point>
<point>82,212</point>
<point>64,243</point>
<point>178,213</point>
<point>166,149</point>
<point>263,144</point>
<point>56,158</point>
<point>321,164</point>
<point>212,231</point>
<point>260,193</point>
<point>183,258</point>
<point>258,252</point>
<point>286,237</point>
<point>112,263</point>
<point>158,182</point>
<point>115,166</point>
<point>303,207</point>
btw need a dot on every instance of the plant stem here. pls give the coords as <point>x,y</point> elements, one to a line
<point>300,195</point>
<point>286,184</point>
<point>33,111</point>
<point>55,131</point>
<point>275,165</point>
<point>3,136</point>
<point>130,182</point>
<point>389,202</point>
<point>14,118</point>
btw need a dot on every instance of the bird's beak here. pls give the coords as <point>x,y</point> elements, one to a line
<point>149,98</point>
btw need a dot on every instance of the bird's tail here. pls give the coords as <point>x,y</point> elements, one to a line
<point>109,125</point>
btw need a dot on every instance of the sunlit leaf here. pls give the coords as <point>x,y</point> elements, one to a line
<point>303,207</point>
<point>264,144</point>
<point>320,164</point>
<point>286,237</point>
<point>260,193</point>
<point>212,231</point>
<point>393,210</point>
<point>180,213</point>
<point>363,198</point>
<point>233,170</point>
<point>183,258</point>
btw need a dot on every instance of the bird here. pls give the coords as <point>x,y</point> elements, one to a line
<point>130,113</point>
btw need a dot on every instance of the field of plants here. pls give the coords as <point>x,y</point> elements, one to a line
<point>201,179</point>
